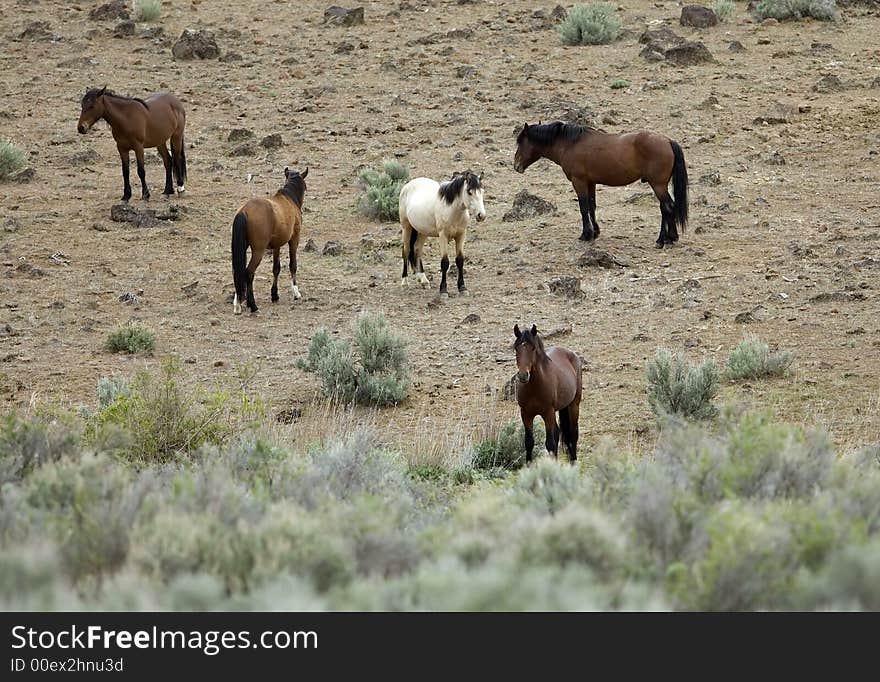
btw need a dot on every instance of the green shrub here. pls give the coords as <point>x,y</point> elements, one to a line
<point>752,359</point>
<point>620,84</point>
<point>592,24</point>
<point>676,387</point>
<point>723,9</point>
<point>130,338</point>
<point>373,372</point>
<point>12,160</point>
<point>547,486</point>
<point>381,190</point>
<point>506,450</point>
<point>825,10</point>
<point>850,580</point>
<point>111,388</point>
<point>26,445</point>
<point>148,10</point>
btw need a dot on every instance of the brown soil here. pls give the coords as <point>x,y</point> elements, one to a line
<point>765,239</point>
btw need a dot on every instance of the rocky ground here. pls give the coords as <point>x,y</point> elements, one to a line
<point>779,132</point>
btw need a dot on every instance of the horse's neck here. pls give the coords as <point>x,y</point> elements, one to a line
<point>456,211</point>
<point>114,110</point>
<point>555,152</point>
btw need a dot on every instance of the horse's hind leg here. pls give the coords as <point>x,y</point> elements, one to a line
<point>591,195</point>
<point>276,270</point>
<point>256,257</point>
<point>668,232</point>
<point>405,237</point>
<point>166,159</point>
<point>568,420</point>
<point>444,263</point>
<point>293,244</point>
<point>419,248</point>
<point>142,174</point>
<point>178,156</point>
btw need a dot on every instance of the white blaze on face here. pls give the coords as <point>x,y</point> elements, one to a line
<point>475,204</point>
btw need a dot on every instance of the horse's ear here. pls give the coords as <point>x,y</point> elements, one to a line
<point>516,331</point>
<point>103,90</point>
<point>525,127</point>
<point>304,173</point>
<point>286,172</point>
<point>480,178</point>
<point>534,330</point>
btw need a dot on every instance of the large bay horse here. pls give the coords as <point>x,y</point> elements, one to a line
<point>592,157</point>
<point>430,209</point>
<point>139,124</point>
<point>548,381</point>
<point>262,224</point>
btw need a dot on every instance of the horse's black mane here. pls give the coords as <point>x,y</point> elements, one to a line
<point>94,92</point>
<point>294,189</point>
<point>449,190</point>
<point>533,339</point>
<point>548,133</point>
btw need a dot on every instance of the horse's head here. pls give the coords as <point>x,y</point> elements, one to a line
<point>474,195</point>
<point>527,151</point>
<point>529,348</point>
<point>92,109</point>
<point>295,185</point>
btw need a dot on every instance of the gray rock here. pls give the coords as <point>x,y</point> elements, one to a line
<point>527,205</point>
<point>310,246</point>
<point>118,9</point>
<point>597,258</point>
<point>195,45</point>
<point>697,16</point>
<point>38,31</point>
<point>689,54</point>
<point>332,248</point>
<point>239,134</point>
<point>341,16</point>
<point>244,149</point>
<point>124,29</point>
<point>272,141</point>
<point>567,286</point>
<point>736,46</point>
<point>829,83</point>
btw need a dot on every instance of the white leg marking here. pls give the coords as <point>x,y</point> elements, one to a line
<point>423,278</point>
<point>236,306</point>
<point>404,281</point>
<point>181,189</point>
<point>295,290</point>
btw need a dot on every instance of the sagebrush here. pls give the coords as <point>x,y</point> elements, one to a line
<point>381,190</point>
<point>147,10</point>
<point>677,387</point>
<point>12,160</point>
<point>131,338</point>
<point>824,10</point>
<point>371,370</point>
<point>590,24</point>
<point>723,9</point>
<point>752,359</point>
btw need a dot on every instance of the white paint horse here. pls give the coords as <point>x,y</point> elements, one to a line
<point>431,209</point>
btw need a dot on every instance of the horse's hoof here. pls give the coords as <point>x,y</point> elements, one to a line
<point>181,190</point>
<point>296,294</point>
<point>444,295</point>
<point>659,244</point>
<point>236,309</point>
<point>404,282</point>
<point>464,292</point>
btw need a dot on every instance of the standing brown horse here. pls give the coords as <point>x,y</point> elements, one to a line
<point>549,381</point>
<point>592,157</point>
<point>267,224</point>
<point>139,124</point>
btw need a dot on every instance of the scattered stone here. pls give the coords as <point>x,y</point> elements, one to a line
<point>770,22</point>
<point>30,270</point>
<point>781,113</point>
<point>711,102</point>
<point>432,38</point>
<point>665,36</point>
<point>239,134</point>
<point>472,318</point>
<point>527,205</point>
<point>272,141</point>
<point>775,159</point>
<point>195,45</point>
<point>118,9</point>
<point>876,82</point>
<point>347,46</point>
<point>465,71</point>
<point>189,289</point>
<point>744,318</point>
<point>838,297</point>
<point>689,54</point>
<point>593,257</point>
<point>230,57</point>
<point>124,213</point>
<point>25,176</point>
<point>10,225</point>
<point>38,31</point>
<point>697,16</point>
<point>712,179</point>
<point>129,298</point>
<point>124,29</point>
<point>83,158</point>
<point>829,83</point>
<point>332,248</point>
<point>244,149</point>
<point>736,46</point>
<point>567,286</point>
<point>310,246</point>
<point>341,16</point>
<point>556,331</point>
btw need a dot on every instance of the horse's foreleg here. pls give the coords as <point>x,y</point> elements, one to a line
<point>582,189</point>
<point>591,195</point>
<point>125,156</point>
<point>276,270</point>
<point>166,159</point>
<point>552,432</point>
<point>459,262</point>
<point>142,174</point>
<point>293,244</point>
<point>406,235</point>
<point>444,263</point>
<point>529,440</point>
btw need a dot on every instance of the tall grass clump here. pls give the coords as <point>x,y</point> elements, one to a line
<point>147,10</point>
<point>723,9</point>
<point>12,159</point>
<point>679,388</point>
<point>505,449</point>
<point>373,370</point>
<point>752,359</point>
<point>592,24</point>
<point>130,338</point>
<point>381,190</point>
<point>824,10</point>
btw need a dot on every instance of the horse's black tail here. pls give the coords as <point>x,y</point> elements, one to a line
<point>679,187</point>
<point>413,235</point>
<point>239,253</point>
<point>182,169</point>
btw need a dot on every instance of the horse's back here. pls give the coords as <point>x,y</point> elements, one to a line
<point>271,220</point>
<point>417,199</point>
<point>570,366</point>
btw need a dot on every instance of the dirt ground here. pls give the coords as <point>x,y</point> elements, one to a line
<point>765,238</point>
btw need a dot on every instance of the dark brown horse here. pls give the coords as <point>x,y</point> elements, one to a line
<point>592,157</point>
<point>139,124</point>
<point>549,381</point>
<point>262,224</point>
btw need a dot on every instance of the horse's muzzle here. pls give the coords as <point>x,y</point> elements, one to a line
<point>518,168</point>
<point>481,217</point>
<point>82,129</point>
<point>523,377</point>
